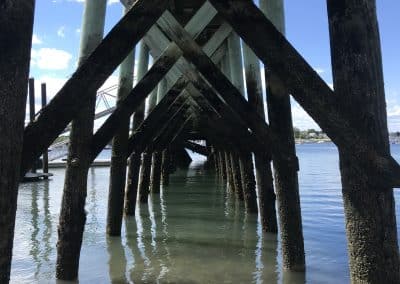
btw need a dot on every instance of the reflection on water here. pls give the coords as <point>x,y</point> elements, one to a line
<point>195,231</point>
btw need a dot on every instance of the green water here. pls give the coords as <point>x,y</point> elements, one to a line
<point>193,232</point>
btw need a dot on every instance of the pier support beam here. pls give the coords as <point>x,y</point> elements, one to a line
<point>73,215</point>
<point>248,180</point>
<point>45,153</point>
<point>135,158</point>
<point>165,167</point>
<point>155,178</point>
<point>119,151</point>
<point>232,67</point>
<point>285,170</point>
<point>145,168</point>
<point>32,111</point>
<point>16,25</point>
<point>358,79</point>
<point>265,185</point>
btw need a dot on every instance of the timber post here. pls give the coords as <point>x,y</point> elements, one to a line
<point>145,168</point>
<point>45,153</point>
<point>16,26</point>
<point>358,80</point>
<point>32,111</point>
<point>135,158</point>
<point>155,179</point>
<point>73,216</point>
<point>118,166</point>
<point>262,162</point>
<point>286,180</point>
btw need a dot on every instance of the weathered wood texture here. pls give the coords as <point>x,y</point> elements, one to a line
<point>304,84</point>
<point>155,178</point>
<point>137,101</point>
<point>45,153</point>
<point>285,170</point>
<point>119,149</point>
<point>145,168</point>
<point>262,163</point>
<point>144,178</point>
<point>248,180</point>
<point>358,80</point>
<point>32,110</point>
<point>193,53</point>
<point>165,167</point>
<point>16,25</point>
<point>72,217</point>
<point>161,114</point>
<point>88,78</point>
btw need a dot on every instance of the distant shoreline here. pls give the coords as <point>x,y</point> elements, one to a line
<point>312,141</point>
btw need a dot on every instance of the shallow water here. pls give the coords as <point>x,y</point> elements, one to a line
<point>194,232</point>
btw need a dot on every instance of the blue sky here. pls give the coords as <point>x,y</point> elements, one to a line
<point>57,33</point>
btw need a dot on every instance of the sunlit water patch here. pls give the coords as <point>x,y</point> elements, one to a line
<point>193,232</point>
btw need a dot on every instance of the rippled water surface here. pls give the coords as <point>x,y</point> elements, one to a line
<point>194,232</point>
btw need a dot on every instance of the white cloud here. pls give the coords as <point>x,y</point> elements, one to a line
<point>36,39</point>
<point>61,31</point>
<point>50,58</point>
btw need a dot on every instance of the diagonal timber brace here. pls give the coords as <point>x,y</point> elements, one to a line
<point>193,53</point>
<point>182,67</point>
<point>138,94</point>
<point>166,59</point>
<point>303,83</point>
<point>161,114</point>
<point>197,148</point>
<point>55,117</point>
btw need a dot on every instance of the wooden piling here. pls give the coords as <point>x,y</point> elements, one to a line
<point>146,165</point>
<point>16,25</point>
<point>229,170</point>
<point>248,180</point>
<point>32,112</point>
<point>237,174</point>
<point>244,161</point>
<point>73,216</point>
<point>265,186</point>
<point>286,180</point>
<point>119,150</point>
<point>135,158</point>
<point>45,153</point>
<point>165,167</point>
<point>155,178</point>
<point>359,87</point>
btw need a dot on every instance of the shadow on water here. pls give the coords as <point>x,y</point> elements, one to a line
<point>117,262</point>
<point>194,231</point>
